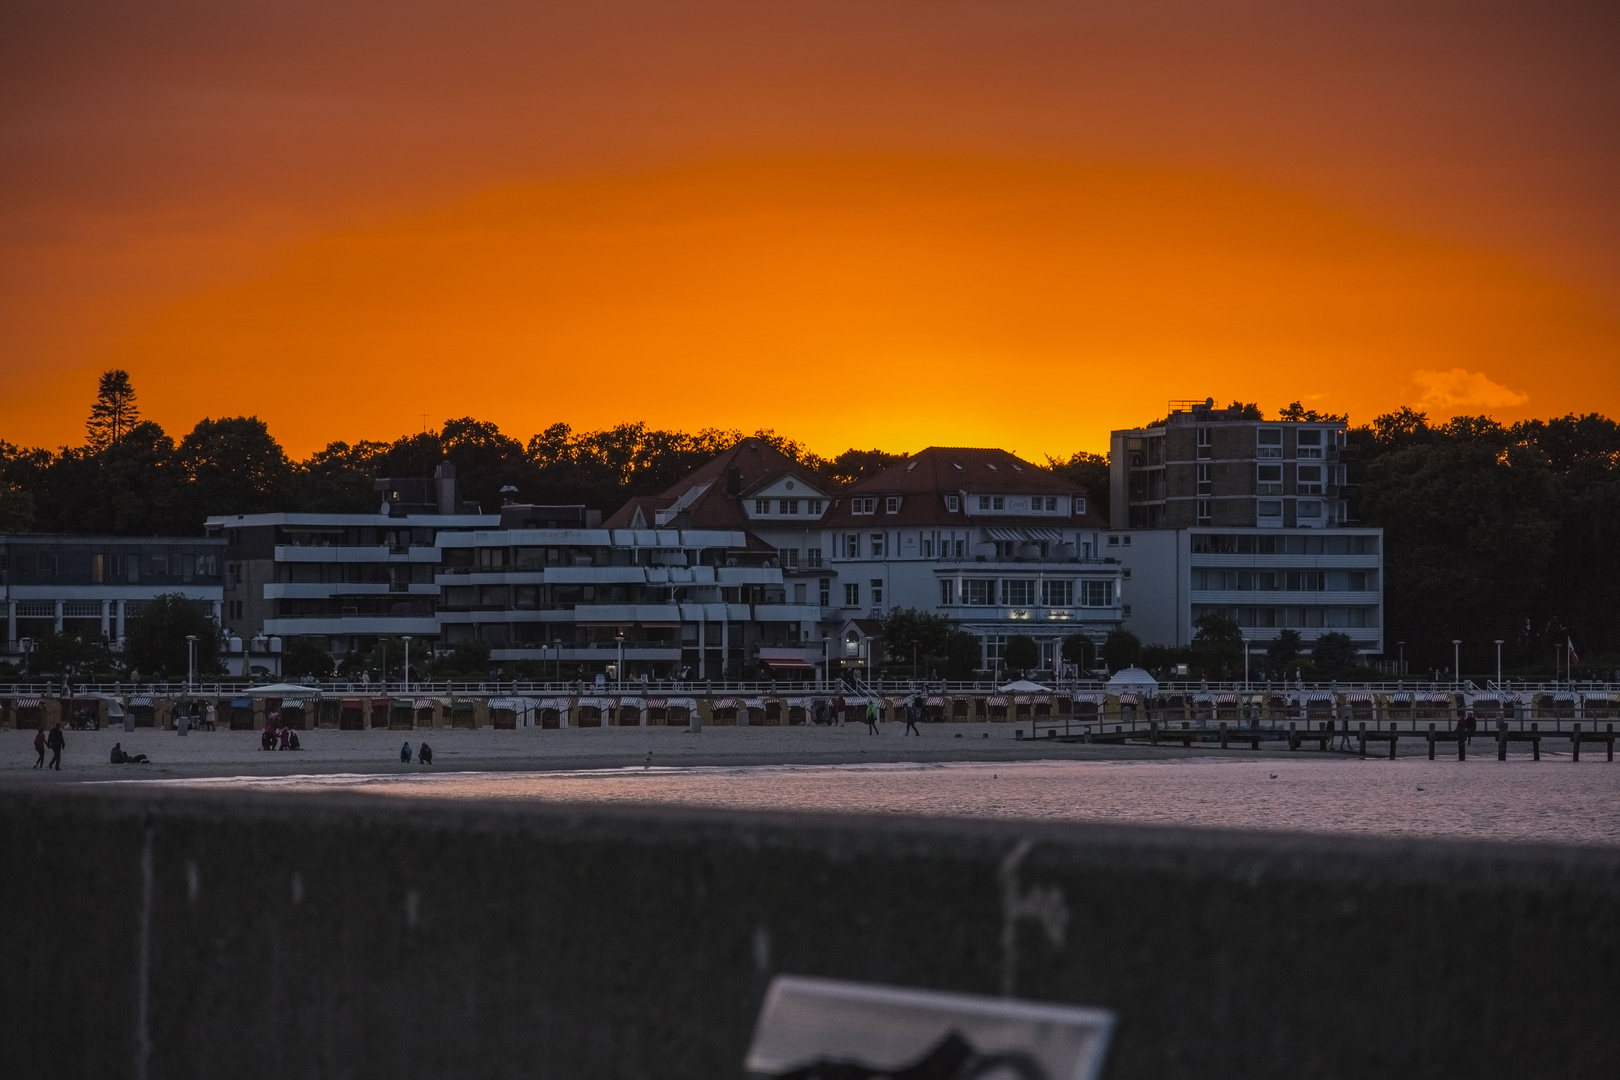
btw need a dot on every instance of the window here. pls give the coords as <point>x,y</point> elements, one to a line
<point>1269,443</point>
<point>1206,444</point>
<point>1268,479</point>
<point>1204,515</point>
<point>997,502</point>
<point>979,592</point>
<point>1125,573</point>
<point>961,548</point>
<point>812,558</point>
<point>1079,505</point>
<point>1309,479</point>
<point>947,593</point>
<point>1204,482</point>
<point>1310,443</point>
<point>863,506</point>
<point>1017,592</point>
<point>812,506</point>
<point>852,595</point>
<point>1113,541</point>
<point>790,558</point>
<point>787,506</point>
<point>953,503</point>
<point>1057,593</point>
<point>1096,593</point>
<point>891,505</point>
<point>1269,508</point>
<point>826,592</point>
<point>762,506</point>
<point>877,591</point>
<point>852,545</point>
<point>877,545</point>
<point>1309,508</point>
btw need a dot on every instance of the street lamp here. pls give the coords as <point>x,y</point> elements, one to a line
<point>1456,660</point>
<point>1402,670</point>
<point>407,640</point>
<point>619,671</point>
<point>191,660</point>
<point>1498,663</point>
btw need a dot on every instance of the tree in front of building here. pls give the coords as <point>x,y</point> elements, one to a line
<point>467,660</point>
<point>1078,649</point>
<point>155,639</point>
<point>1121,649</point>
<point>1217,645</point>
<point>1284,649</point>
<point>913,637</point>
<point>1334,656</point>
<point>72,656</point>
<point>306,656</point>
<point>16,508</point>
<point>962,653</point>
<point>114,412</point>
<point>1021,654</point>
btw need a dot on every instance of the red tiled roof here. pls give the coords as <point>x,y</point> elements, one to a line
<point>747,467</point>
<point>924,479</point>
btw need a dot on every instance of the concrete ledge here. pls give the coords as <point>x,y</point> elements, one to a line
<point>231,935</point>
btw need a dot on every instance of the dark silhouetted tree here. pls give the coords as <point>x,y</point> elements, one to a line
<point>1121,649</point>
<point>1021,654</point>
<point>114,412</point>
<point>1334,656</point>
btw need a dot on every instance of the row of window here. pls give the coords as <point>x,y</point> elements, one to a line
<point>1268,617</point>
<point>989,504</point>
<point>1250,544</point>
<point>120,568</point>
<point>788,507</point>
<point>1309,442</point>
<point>1286,580</point>
<point>1022,592</point>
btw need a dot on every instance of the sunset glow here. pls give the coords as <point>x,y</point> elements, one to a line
<point>969,239</point>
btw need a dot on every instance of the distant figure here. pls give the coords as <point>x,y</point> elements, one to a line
<point>39,745</point>
<point>819,714</point>
<point>871,717</point>
<point>838,706</point>
<point>405,753</point>
<point>1344,731</point>
<point>284,738</point>
<point>57,742</point>
<point>121,758</point>
<point>424,754</point>
<point>292,740</point>
<point>267,739</point>
<point>210,717</point>
<point>913,709</point>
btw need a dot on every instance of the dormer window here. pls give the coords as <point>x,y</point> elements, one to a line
<point>1080,506</point>
<point>762,506</point>
<point>787,506</point>
<point>813,506</point>
<point>891,505</point>
<point>953,503</point>
<point>863,506</point>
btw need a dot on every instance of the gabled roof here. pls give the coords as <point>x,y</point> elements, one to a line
<point>961,468</point>
<point>749,466</point>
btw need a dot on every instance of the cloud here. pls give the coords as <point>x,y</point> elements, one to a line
<point>1460,388</point>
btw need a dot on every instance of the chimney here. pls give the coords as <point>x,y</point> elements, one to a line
<point>444,482</point>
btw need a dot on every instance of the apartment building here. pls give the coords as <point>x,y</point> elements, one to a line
<point>998,545</point>
<point>1204,466</point>
<point>347,579</point>
<point>696,603</point>
<point>92,585</point>
<point>1217,510</point>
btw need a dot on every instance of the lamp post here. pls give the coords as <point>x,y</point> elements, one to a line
<point>407,640</point>
<point>1499,663</point>
<point>618,672</point>
<point>191,660</point>
<point>1456,660</point>
<point>382,644</point>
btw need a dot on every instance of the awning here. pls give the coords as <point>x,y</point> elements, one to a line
<point>425,703</point>
<point>1319,697</point>
<point>353,703</point>
<point>723,703</point>
<point>1226,699</point>
<point>1402,697</point>
<point>144,700</point>
<point>997,700</point>
<point>1358,696</point>
<point>1043,699</point>
<point>1439,699</point>
<point>1202,699</point>
<point>689,704</point>
<point>1128,699</point>
<point>657,703</point>
<point>1023,699</point>
<point>787,661</point>
<point>754,703</point>
<point>1093,699</point>
<point>34,702</point>
<point>596,702</point>
<point>379,701</point>
<point>1023,535</point>
<point>558,703</point>
<point>463,705</point>
<point>933,701</point>
<point>502,703</point>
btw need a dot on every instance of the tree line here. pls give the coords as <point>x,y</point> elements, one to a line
<point>1491,530</point>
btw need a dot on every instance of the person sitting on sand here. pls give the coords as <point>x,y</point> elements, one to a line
<point>424,754</point>
<point>292,741</point>
<point>267,741</point>
<point>121,758</point>
<point>405,753</point>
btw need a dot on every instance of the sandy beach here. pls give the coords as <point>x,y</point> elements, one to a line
<point>237,753</point>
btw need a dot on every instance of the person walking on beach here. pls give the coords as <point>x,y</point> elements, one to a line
<point>56,742</point>
<point>913,711</point>
<point>871,717</point>
<point>39,745</point>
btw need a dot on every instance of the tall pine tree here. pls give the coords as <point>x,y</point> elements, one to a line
<point>115,411</point>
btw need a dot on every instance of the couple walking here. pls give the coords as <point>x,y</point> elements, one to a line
<point>913,711</point>
<point>54,741</point>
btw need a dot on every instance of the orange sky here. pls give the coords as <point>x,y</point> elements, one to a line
<point>894,224</point>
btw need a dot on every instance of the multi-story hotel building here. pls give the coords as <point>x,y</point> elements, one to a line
<point>997,545</point>
<point>1215,510</point>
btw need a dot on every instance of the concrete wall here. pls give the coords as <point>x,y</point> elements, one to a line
<point>207,935</point>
